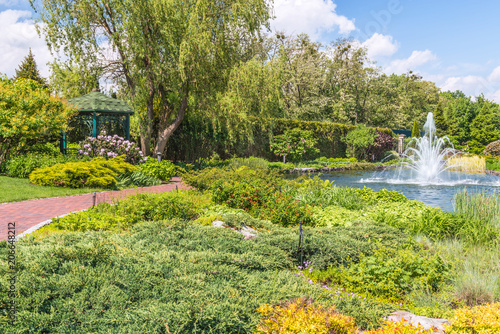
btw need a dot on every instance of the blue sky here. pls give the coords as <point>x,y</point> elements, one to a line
<point>454,44</point>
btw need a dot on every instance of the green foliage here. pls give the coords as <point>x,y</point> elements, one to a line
<point>133,210</point>
<point>334,246</point>
<point>95,173</point>
<point>28,70</point>
<point>27,114</point>
<point>22,165</point>
<point>197,139</point>
<point>163,170</point>
<point>484,128</point>
<point>294,144</point>
<point>358,141</point>
<point>44,148</point>
<point>250,162</point>
<point>138,179</point>
<point>384,196</point>
<point>191,279</point>
<point>69,80</point>
<point>334,216</point>
<point>440,120</point>
<point>392,274</point>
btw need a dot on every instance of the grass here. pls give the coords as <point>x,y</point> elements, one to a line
<point>474,164</point>
<point>14,190</point>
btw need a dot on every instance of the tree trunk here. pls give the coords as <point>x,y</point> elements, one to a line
<point>165,134</point>
<point>147,129</point>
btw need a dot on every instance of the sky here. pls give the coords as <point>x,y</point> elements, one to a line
<point>452,43</point>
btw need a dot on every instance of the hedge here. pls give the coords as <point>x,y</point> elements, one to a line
<point>197,139</point>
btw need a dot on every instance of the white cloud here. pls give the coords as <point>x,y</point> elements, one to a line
<point>495,75</point>
<point>312,17</point>
<point>417,58</point>
<point>17,35</point>
<point>380,46</point>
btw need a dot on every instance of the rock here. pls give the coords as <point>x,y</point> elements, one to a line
<point>218,223</point>
<point>248,232</point>
<point>437,325</point>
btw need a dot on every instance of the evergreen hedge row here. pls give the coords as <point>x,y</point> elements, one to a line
<point>197,139</point>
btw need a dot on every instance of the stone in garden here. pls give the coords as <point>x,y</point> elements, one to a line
<point>415,320</point>
<point>218,223</point>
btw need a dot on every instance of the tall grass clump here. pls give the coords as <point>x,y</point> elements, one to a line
<point>474,164</point>
<point>251,162</point>
<point>478,206</point>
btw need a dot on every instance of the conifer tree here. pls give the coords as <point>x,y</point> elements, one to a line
<point>439,120</point>
<point>29,70</point>
<point>415,131</point>
<point>484,128</point>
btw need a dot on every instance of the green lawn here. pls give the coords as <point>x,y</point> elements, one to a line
<point>13,190</point>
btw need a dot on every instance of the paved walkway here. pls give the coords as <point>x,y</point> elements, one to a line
<point>27,214</point>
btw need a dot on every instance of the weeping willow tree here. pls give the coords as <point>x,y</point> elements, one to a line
<point>172,56</point>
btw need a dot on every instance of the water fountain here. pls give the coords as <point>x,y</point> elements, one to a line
<point>429,173</point>
<point>429,155</point>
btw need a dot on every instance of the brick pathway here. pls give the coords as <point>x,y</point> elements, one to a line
<point>27,214</point>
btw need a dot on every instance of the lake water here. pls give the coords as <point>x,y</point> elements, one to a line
<point>438,193</point>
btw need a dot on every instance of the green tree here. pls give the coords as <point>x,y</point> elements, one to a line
<point>485,128</point>
<point>415,130</point>
<point>439,120</point>
<point>171,56</point>
<point>68,80</point>
<point>27,114</point>
<point>359,140</point>
<point>29,70</point>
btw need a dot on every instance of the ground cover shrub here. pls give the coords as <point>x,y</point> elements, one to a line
<point>301,316</point>
<point>98,172</point>
<point>255,191</point>
<point>44,148</point>
<point>185,204</point>
<point>478,319</point>
<point>137,179</point>
<point>385,196</point>
<point>163,170</point>
<point>191,278</point>
<point>334,246</point>
<point>110,147</point>
<point>334,216</point>
<point>392,273</point>
<point>327,195</point>
<point>21,166</point>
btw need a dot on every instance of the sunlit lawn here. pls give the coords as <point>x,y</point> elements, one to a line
<point>13,190</point>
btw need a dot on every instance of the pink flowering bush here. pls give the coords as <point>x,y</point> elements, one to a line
<point>294,144</point>
<point>110,147</point>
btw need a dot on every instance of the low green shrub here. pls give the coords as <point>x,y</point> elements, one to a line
<point>133,210</point>
<point>44,148</point>
<point>478,319</point>
<point>137,179</point>
<point>385,196</point>
<point>392,274</point>
<point>22,166</point>
<point>158,277</point>
<point>99,173</point>
<point>334,216</point>
<point>334,246</point>
<point>163,170</point>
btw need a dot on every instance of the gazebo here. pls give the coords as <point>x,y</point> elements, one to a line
<point>96,113</point>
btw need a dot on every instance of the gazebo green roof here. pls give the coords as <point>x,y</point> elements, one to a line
<point>98,102</point>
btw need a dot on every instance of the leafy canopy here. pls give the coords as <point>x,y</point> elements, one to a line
<point>27,112</point>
